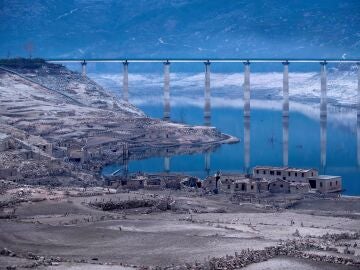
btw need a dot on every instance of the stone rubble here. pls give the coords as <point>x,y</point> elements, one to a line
<point>161,203</point>
<point>290,248</point>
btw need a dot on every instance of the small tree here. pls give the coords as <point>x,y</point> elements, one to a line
<point>29,48</point>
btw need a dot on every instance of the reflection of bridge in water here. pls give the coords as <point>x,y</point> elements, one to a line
<point>246,98</point>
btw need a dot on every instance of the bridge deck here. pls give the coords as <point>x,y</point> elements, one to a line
<point>200,60</point>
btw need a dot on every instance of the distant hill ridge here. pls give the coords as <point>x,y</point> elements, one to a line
<point>197,28</point>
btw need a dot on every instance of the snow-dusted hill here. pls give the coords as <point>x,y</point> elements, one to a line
<point>227,88</point>
<point>71,86</point>
<point>67,109</point>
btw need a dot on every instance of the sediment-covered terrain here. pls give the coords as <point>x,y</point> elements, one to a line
<point>55,114</point>
<point>100,228</point>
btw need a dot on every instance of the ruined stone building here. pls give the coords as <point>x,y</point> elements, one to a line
<point>152,181</point>
<point>284,173</point>
<point>232,184</point>
<point>279,186</point>
<point>326,183</point>
<point>299,180</point>
<point>266,179</point>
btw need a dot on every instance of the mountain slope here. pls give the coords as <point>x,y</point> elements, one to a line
<point>159,28</point>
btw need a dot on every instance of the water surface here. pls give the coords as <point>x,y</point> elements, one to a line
<point>338,156</point>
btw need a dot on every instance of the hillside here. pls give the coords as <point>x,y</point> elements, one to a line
<point>180,28</point>
<point>55,114</point>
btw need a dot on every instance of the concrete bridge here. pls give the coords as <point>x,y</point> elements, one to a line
<point>246,96</point>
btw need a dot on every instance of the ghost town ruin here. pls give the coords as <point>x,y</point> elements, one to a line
<point>58,128</point>
<point>263,181</point>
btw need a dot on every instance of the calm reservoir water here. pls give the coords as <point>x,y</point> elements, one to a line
<point>340,147</point>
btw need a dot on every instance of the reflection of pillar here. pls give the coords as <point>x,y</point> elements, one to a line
<point>126,81</point>
<point>323,101</point>
<point>323,131</point>
<point>285,141</point>
<point>358,116</point>
<point>83,70</point>
<point>207,162</point>
<point>358,135</point>
<point>167,164</point>
<point>247,144</point>
<point>126,159</point>
<point>166,90</point>
<point>286,89</point>
<point>207,108</point>
<point>126,167</point>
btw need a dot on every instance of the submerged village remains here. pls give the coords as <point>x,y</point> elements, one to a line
<point>58,128</point>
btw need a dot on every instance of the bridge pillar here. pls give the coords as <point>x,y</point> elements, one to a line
<point>125,151</point>
<point>125,94</point>
<point>285,126</point>
<point>286,89</point>
<point>207,94</point>
<point>358,115</point>
<point>247,89</point>
<point>323,101</point>
<point>83,68</point>
<point>247,144</point>
<point>166,90</point>
<point>167,164</point>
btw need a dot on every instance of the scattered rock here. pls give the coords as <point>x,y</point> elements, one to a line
<point>296,233</point>
<point>334,249</point>
<point>32,256</point>
<point>7,252</point>
<point>293,248</point>
<point>349,251</point>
